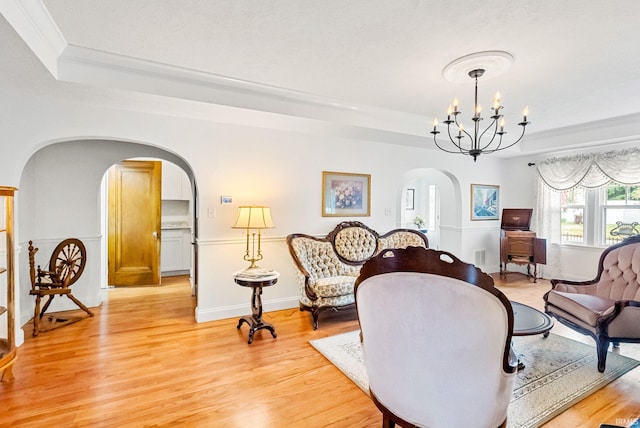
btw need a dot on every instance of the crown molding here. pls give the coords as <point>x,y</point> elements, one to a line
<point>269,106</point>
<point>615,130</point>
<point>76,58</point>
<point>98,68</point>
<point>78,64</point>
<point>33,23</point>
<point>65,62</point>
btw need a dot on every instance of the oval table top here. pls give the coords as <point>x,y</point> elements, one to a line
<point>528,321</point>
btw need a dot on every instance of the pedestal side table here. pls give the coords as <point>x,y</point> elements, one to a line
<point>256,280</point>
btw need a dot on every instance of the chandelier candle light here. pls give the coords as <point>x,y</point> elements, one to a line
<point>474,146</point>
<point>253,218</point>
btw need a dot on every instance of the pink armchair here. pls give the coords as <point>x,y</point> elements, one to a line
<point>607,307</point>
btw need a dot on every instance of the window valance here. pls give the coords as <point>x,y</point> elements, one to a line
<point>591,170</point>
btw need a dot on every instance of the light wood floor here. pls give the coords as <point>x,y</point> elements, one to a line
<point>144,361</point>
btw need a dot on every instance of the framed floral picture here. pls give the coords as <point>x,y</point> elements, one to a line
<point>485,202</point>
<point>345,194</point>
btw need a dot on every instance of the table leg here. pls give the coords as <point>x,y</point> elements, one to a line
<point>520,357</point>
<point>255,322</point>
<point>256,304</point>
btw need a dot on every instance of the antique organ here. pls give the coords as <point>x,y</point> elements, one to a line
<point>518,244</point>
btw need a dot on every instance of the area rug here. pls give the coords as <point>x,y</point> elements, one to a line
<point>559,372</point>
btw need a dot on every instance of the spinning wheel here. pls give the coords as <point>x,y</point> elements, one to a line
<point>66,264</point>
<point>68,260</point>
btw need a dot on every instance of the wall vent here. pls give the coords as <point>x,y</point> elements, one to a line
<point>480,257</point>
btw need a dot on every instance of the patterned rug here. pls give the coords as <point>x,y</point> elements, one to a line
<point>559,372</point>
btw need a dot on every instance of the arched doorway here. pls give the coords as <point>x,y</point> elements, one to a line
<point>176,231</point>
<point>434,196</point>
<point>60,197</point>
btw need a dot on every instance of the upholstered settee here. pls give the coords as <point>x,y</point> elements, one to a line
<point>606,307</point>
<point>327,267</point>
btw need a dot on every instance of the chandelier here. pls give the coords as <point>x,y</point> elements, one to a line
<point>480,140</point>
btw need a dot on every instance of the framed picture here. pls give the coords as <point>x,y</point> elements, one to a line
<point>345,194</point>
<point>410,199</point>
<point>485,202</point>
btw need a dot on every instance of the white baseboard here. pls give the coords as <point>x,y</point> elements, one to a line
<point>225,312</point>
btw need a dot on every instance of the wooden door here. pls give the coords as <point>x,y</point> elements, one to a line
<point>134,223</point>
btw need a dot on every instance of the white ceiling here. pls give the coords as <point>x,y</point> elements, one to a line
<point>576,61</point>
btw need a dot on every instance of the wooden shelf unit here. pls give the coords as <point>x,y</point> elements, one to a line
<point>7,286</point>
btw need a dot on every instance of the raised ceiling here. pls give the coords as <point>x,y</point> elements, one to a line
<point>574,61</point>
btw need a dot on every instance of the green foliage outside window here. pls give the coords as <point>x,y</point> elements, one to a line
<point>618,192</point>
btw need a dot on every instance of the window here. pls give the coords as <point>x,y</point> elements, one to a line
<point>621,211</point>
<point>601,216</point>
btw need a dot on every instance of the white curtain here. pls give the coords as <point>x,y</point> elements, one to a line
<point>558,174</point>
<point>591,170</point>
<point>546,223</point>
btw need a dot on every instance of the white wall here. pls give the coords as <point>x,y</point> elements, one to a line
<point>60,187</point>
<point>579,263</point>
<point>57,140</point>
<point>518,187</point>
<point>56,149</point>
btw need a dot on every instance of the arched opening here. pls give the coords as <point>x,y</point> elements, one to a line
<point>434,196</point>
<point>176,225</point>
<point>61,196</point>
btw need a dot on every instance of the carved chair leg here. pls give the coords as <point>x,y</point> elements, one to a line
<point>315,312</point>
<point>602,344</point>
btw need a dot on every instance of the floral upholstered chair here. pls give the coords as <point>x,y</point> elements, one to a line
<point>327,268</point>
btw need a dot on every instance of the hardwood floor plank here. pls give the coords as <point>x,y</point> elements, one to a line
<point>144,361</point>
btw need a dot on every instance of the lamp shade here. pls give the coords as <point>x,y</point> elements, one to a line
<point>253,217</point>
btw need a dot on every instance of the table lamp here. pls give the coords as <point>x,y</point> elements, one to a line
<point>253,218</point>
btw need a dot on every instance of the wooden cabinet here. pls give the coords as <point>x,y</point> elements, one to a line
<point>7,299</point>
<point>175,254</point>
<point>519,245</point>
